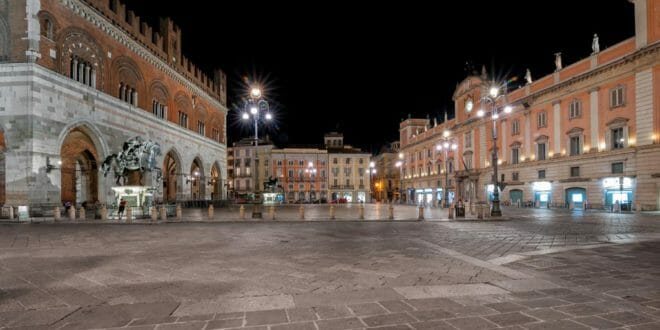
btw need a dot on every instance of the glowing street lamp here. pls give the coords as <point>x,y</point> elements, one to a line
<point>492,97</point>
<point>446,144</point>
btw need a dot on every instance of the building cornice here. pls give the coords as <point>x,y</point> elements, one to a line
<point>646,51</point>
<point>94,17</point>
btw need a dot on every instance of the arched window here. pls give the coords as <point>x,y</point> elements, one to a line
<point>47,28</point>
<point>82,71</point>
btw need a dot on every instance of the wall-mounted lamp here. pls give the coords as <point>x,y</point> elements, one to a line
<point>50,167</point>
<point>192,178</point>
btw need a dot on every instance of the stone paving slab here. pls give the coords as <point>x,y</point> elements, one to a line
<point>322,275</point>
<point>435,291</point>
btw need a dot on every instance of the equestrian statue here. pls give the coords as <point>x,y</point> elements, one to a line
<point>137,154</point>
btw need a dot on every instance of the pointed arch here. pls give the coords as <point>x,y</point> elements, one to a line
<point>197,179</point>
<point>81,153</point>
<point>172,185</point>
<point>216,181</point>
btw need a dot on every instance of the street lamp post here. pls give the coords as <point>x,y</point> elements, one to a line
<point>399,165</point>
<point>312,173</point>
<point>253,108</point>
<point>371,171</point>
<point>492,97</point>
<point>446,144</point>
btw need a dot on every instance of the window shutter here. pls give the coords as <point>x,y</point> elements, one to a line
<point>625,136</point>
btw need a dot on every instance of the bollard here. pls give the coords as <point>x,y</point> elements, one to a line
<point>450,215</point>
<point>72,213</point>
<point>391,209</point>
<point>56,214</point>
<point>241,212</point>
<point>11,213</point>
<point>129,214</point>
<point>163,213</point>
<point>302,212</point>
<point>480,212</point>
<point>271,212</point>
<point>361,212</point>
<point>81,214</point>
<point>332,212</point>
<point>421,213</point>
<point>104,213</point>
<point>211,210</point>
<point>154,214</point>
<point>179,216</point>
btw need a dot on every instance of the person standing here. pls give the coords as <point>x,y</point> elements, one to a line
<point>122,206</point>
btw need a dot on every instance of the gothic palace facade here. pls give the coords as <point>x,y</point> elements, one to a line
<point>80,77</point>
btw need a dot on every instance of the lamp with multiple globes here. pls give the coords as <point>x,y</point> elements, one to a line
<point>492,97</point>
<point>446,144</point>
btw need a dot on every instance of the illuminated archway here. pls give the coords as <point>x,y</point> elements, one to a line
<point>215,182</point>
<point>171,172</point>
<point>79,177</point>
<point>197,180</point>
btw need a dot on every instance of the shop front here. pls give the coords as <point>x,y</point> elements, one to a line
<point>424,196</point>
<point>618,190</point>
<point>576,198</point>
<point>516,196</point>
<point>542,193</point>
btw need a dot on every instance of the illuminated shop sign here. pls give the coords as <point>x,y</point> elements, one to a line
<point>613,183</point>
<point>542,186</point>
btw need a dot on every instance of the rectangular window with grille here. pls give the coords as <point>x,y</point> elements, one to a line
<point>514,176</point>
<point>617,167</point>
<point>468,140</point>
<point>617,96</point>
<point>541,174</point>
<point>575,171</point>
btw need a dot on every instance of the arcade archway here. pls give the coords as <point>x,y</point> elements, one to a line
<point>79,170</point>
<point>197,180</point>
<point>171,170</point>
<point>215,182</point>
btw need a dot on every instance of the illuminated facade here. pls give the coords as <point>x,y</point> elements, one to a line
<point>587,135</point>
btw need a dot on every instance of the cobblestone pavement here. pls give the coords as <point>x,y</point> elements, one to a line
<point>541,269</point>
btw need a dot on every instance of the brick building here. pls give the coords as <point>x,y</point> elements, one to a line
<point>79,78</point>
<point>586,135</point>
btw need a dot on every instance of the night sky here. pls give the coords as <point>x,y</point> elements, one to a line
<point>361,69</point>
